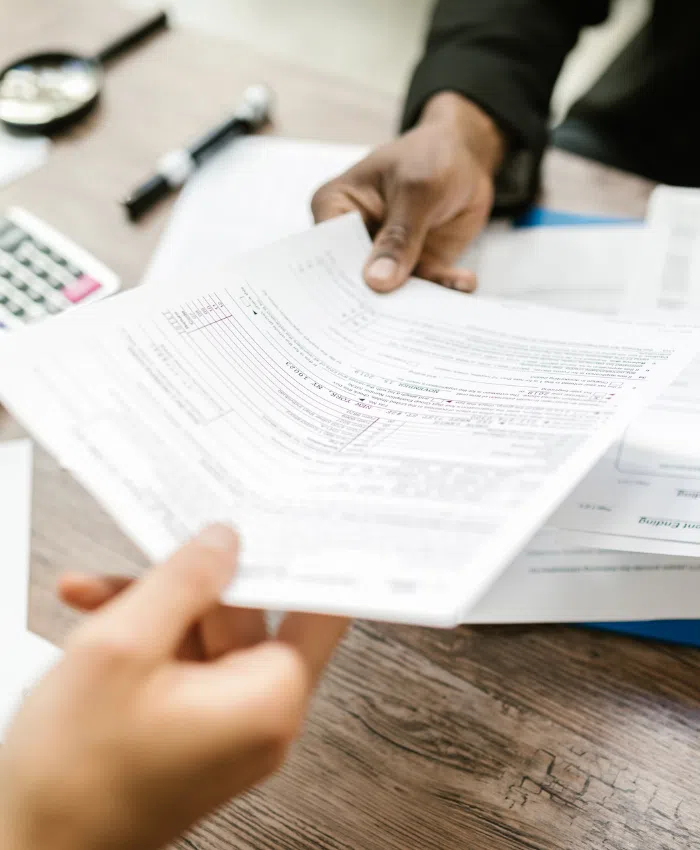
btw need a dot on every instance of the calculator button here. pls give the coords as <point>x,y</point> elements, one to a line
<point>55,283</point>
<point>57,258</point>
<point>67,279</point>
<point>20,284</point>
<point>37,297</point>
<point>35,311</point>
<point>81,288</point>
<point>16,310</point>
<point>4,273</point>
<point>51,308</point>
<point>11,239</point>
<point>58,299</point>
<point>20,271</point>
<point>4,299</point>
<point>42,287</point>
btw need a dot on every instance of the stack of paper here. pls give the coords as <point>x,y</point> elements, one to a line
<point>644,496</point>
<point>398,457</point>
<point>383,457</point>
<point>604,269</point>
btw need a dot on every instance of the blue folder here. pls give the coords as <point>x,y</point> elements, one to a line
<point>541,217</point>
<point>685,632</point>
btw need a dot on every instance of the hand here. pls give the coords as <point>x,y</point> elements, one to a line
<point>165,705</point>
<point>426,195</point>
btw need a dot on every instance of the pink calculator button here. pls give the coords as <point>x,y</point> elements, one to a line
<point>81,288</point>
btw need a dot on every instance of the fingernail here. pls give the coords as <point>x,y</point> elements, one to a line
<point>465,285</point>
<point>464,281</point>
<point>219,537</point>
<point>382,270</point>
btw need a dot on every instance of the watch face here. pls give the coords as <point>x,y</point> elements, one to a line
<point>516,182</point>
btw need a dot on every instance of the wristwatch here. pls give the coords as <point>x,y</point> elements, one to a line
<point>517,182</point>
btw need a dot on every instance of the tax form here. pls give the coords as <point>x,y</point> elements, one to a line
<point>383,457</point>
<point>557,581</point>
<point>644,496</point>
<point>260,189</point>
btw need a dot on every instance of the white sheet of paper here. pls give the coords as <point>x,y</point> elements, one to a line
<point>556,581</point>
<point>668,266</point>
<point>30,659</point>
<point>25,656</point>
<point>255,192</point>
<point>15,518</point>
<point>259,190</point>
<point>383,457</point>
<point>575,268</point>
<point>20,154</point>
<point>644,496</point>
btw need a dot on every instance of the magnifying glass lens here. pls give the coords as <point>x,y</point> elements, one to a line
<point>35,93</point>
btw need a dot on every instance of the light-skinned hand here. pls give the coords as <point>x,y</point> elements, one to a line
<point>165,705</point>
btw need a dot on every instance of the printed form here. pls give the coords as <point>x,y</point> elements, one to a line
<point>384,457</point>
<point>557,581</point>
<point>644,496</point>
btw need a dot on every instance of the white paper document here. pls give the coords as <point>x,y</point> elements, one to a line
<point>668,266</point>
<point>20,670</point>
<point>20,154</point>
<point>644,496</point>
<point>556,581</point>
<point>253,193</point>
<point>383,457</point>
<point>15,519</point>
<point>575,268</point>
<point>260,189</point>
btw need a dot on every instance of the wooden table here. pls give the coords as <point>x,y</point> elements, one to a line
<point>478,738</point>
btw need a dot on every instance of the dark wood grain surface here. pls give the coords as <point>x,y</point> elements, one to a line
<point>537,738</point>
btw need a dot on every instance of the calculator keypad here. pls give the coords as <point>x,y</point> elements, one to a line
<point>35,280</point>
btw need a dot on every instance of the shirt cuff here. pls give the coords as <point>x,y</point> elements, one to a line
<point>499,86</point>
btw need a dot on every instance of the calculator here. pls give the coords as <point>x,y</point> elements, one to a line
<point>42,273</point>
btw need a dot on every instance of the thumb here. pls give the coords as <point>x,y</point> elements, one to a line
<point>399,243</point>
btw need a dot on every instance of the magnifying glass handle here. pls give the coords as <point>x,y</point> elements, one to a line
<point>133,38</point>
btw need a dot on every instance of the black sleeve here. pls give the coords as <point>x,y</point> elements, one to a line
<point>505,55</point>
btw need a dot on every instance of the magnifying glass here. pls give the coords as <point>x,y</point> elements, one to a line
<point>50,91</point>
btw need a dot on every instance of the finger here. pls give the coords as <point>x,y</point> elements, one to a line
<point>399,243</point>
<point>154,615</point>
<point>225,629</point>
<point>329,202</point>
<point>463,280</point>
<point>88,593</point>
<point>445,244</point>
<point>314,637</point>
<point>355,191</point>
<point>256,694</point>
